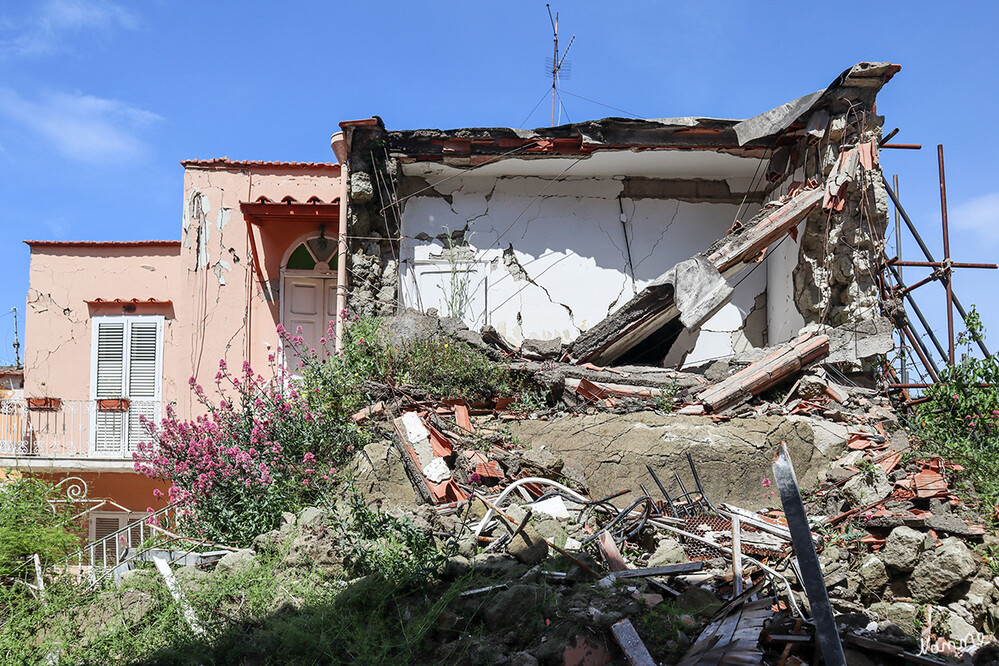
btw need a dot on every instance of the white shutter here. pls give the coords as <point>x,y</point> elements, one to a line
<point>127,363</point>
<point>109,382</point>
<point>110,359</point>
<point>103,526</point>
<point>144,362</point>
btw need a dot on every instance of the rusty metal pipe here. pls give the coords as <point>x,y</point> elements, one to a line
<point>919,315</point>
<point>946,249</point>
<point>929,257</point>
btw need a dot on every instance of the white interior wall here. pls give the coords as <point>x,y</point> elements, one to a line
<point>568,267</point>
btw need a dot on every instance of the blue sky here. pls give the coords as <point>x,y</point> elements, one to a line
<point>100,100</point>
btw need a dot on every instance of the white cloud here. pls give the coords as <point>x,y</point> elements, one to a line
<point>82,127</point>
<point>46,31</point>
<point>979,216</point>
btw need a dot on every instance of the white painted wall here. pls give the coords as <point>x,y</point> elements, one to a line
<point>568,239</point>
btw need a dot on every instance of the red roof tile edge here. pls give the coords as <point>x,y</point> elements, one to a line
<point>226,162</point>
<point>142,243</point>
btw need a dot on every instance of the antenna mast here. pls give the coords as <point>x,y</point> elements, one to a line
<point>17,344</point>
<point>556,62</point>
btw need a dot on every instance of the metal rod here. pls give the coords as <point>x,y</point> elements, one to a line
<point>921,352</point>
<point>946,250</point>
<point>826,633</point>
<point>662,489</point>
<point>904,291</point>
<point>898,255</point>
<point>939,264</point>
<point>902,146</point>
<point>697,481</point>
<point>887,137</point>
<point>688,503</point>
<point>908,222</point>
<point>736,556</point>
<point>919,314</point>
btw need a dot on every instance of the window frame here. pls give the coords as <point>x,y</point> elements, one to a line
<point>127,321</point>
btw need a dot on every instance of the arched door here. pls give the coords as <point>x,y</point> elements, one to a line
<point>308,294</point>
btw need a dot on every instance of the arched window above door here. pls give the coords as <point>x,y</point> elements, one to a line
<point>314,255</point>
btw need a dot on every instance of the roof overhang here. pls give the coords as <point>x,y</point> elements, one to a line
<point>263,211</point>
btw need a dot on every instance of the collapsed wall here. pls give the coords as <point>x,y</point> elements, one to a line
<point>555,233</point>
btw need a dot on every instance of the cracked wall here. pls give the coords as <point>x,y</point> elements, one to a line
<point>57,334</point>
<point>224,310</point>
<point>551,265</point>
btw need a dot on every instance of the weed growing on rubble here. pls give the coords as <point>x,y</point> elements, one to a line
<point>435,364</point>
<point>960,421</point>
<point>375,542</point>
<point>445,368</point>
<point>665,400</point>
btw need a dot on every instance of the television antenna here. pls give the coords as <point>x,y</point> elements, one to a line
<point>17,343</point>
<point>558,64</point>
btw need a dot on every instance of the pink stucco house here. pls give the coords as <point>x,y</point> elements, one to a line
<point>115,330</point>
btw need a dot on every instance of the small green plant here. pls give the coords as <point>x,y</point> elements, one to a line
<point>459,277</point>
<point>665,400</point>
<point>530,400</point>
<point>990,554</point>
<point>868,470</point>
<point>375,542</point>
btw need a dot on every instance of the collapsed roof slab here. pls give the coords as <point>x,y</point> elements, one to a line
<point>694,289</point>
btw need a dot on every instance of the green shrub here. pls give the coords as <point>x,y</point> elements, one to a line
<point>29,524</point>
<point>960,421</point>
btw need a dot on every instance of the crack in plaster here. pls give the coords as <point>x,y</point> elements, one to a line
<point>661,236</point>
<point>517,271</point>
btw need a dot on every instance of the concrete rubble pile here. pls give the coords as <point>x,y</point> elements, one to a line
<point>629,479</point>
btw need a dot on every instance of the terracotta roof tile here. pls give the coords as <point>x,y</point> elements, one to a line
<point>142,243</point>
<point>226,162</point>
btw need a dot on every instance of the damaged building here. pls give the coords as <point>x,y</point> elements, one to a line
<point>670,242</point>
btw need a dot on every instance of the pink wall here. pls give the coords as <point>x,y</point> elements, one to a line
<point>232,317</point>
<point>219,308</point>
<point>62,278</point>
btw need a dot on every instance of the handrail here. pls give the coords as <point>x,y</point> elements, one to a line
<point>89,552</point>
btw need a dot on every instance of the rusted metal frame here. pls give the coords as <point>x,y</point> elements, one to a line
<point>826,633</point>
<point>921,352</point>
<point>946,250</point>
<point>919,315</point>
<point>940,264</point>
<point>929,256</point>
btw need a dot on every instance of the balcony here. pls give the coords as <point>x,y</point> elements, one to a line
<point>73,434</point>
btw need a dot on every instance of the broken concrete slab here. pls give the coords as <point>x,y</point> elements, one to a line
<point>763,374</point>
<point>733,457</point>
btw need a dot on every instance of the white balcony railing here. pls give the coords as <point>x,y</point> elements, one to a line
<point>106,429</point>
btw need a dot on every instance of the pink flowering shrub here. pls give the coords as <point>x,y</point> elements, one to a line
<point>259,451</point>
